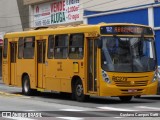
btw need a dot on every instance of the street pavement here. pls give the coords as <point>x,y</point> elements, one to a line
<point>59,107</point>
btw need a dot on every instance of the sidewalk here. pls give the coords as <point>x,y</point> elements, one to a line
<point>9,89</point>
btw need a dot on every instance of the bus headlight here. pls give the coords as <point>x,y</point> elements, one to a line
<point>158,74</point>
<point>105,77</point>
<point>155,76</point>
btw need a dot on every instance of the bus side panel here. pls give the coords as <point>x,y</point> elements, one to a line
<point>19,72</point>
<point>52,82</point>
<point>59,74</point>
<point>31,71</point>
<point>26,66</point>
<point>5,72</point>
<point>66,74</point>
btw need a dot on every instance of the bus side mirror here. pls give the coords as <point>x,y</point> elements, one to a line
<point>99,44</point>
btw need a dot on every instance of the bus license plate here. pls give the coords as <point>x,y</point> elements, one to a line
<point>132,90</point>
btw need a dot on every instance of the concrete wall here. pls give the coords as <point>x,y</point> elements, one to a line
<point>24,14</point>
<point>9,16</point>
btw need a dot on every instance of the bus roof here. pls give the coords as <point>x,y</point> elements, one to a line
<point>67,29</point>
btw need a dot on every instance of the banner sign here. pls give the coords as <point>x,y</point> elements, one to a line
<point>57,12</point>
<point>1,38</point>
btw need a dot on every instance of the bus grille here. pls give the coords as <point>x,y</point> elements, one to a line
<point>131,83</point>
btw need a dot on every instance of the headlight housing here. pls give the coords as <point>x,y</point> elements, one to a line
<point>105,77</point>
<point>156,76</point>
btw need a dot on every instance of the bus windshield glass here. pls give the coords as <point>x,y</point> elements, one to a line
<point>128,54</point>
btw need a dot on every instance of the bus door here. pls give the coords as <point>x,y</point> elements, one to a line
<point>41,48</point>
<point>92,66</point>
<point>13,54</point>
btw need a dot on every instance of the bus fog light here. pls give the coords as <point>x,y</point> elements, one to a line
<point>155,78</point>
<point>107,80</point>
<point>158,74</point>
<point>105,77</point>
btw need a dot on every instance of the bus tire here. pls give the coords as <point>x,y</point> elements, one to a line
<point>79,91</point>
<point>26,89</point>
<point>125,98</point>
<point>137,96</point>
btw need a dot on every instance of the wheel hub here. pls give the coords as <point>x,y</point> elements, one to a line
<point>79,90</point>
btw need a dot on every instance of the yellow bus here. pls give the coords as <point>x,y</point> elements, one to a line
<point>116,59</point>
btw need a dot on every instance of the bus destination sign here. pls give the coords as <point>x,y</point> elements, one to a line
<point>129,30</point>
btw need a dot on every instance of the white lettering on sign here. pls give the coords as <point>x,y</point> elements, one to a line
<point>56,12</point>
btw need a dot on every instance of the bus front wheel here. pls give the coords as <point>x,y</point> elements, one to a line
<point>125,98</point>
<point>137,96</point>
<point>26,89</point>
<point>78,91</point>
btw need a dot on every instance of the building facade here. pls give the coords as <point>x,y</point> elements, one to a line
<point>58,12</point>
<point>147,14</point>
<point>54,12</point>
<point>9,16</point>
<point>13,17</point>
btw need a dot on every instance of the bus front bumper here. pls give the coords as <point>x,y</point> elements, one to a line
<point>113,90</point>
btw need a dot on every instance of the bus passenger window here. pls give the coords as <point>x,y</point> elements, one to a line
<point>5,48</point>
<point>50,46</point>
<point>29,44</point>
<point>76,46</point>
<point>20,48</point>
<point>61,47</point>
<point>58,50</point>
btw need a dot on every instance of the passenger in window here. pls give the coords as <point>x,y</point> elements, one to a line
<point>80,53</point>
<point>73,53</point>
<point>76,49</point>
<point>58,53</point>
<point>58,50</point>
<point>64,53</point>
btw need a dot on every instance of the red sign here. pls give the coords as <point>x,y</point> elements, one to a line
<point>37,9</point>
<point>1,42</point>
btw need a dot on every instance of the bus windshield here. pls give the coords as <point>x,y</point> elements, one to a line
<point>128,54</point>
